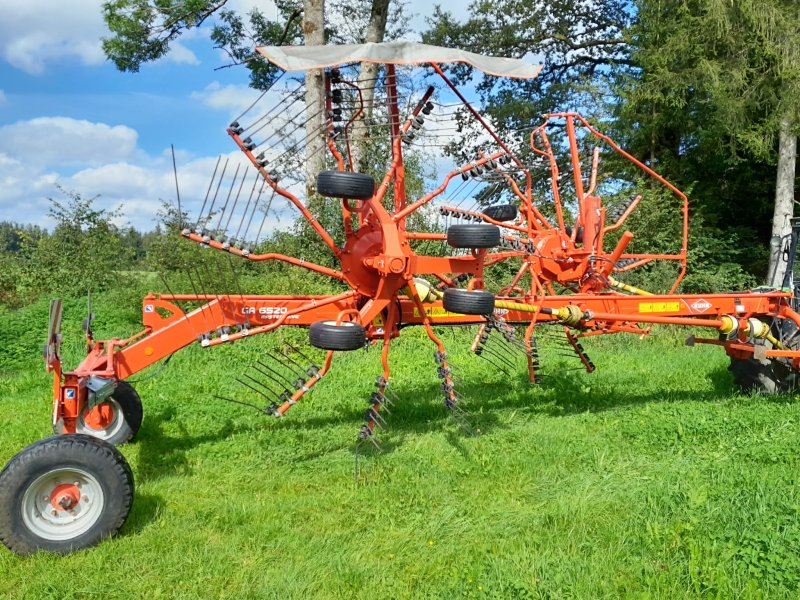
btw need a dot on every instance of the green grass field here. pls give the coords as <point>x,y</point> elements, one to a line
<point>651,478</point>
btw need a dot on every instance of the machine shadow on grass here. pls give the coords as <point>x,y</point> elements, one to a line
<point>146,510</point>
<point>161,454</point>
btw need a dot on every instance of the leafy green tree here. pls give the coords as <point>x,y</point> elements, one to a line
<point>13,236</point>
<point>83,252</point>
<point>16,243</point>
<point>143,30</point>
<point>582,47</point>
<point>717,88</point>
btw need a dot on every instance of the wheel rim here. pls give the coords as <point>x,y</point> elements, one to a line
<point>62,504</point>
<point>102,421</point>
<point>342,324</point>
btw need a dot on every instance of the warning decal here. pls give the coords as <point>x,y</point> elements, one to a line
<point>436,311</point>
<point>659,307</point>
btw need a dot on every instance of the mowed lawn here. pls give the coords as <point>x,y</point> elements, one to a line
<point>651,478</point>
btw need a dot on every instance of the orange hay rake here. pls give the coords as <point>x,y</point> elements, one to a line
<point>550,227</point>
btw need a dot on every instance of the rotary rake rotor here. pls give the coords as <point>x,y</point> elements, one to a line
<point>523,238</point>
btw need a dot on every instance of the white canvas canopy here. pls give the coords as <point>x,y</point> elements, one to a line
<point>303,58</point>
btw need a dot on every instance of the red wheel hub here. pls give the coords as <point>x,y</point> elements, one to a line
<point>65,496</point>
<point>558,258</point>
<point>100,417</point>
<point>360,250</point>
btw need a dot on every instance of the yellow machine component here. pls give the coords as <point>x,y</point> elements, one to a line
<point>628,288</point>
<point>771,338</point>
<point>518,306</point>
<point>569,315</point>
<point>758,329</point>
<point>427,293</point>
<point>730,325</point>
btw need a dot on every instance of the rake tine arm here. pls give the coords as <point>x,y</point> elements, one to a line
<point>481,217</point>
<point>312,220</point>
<point>624,216</point>
<point>531,352</point>
<point>636,264</point>
<point>479,119</point>
<point>478,337</point>
<point>578,347</point>
<point>378,399</point>
<point>401,214</point>
<point>160,343</point>
<point>539,222</point>
<point>440,354</point>
<point>310,383</point>
<point>426,235</point>
<point>426,322</point>
<point>217,245</point>
<point>554,175</point>
<point>593,176</point>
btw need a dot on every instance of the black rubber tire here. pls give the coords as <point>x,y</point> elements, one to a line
<point>501,212</point>
<point>578,237</point>
<point>128,401</point>
<point>330,336</point>
<point>340,184</point>
<point>64,452</point>
<point>465,302</point>
<point>765,376</point>
<point>473,235</point>
<point>769,376</point>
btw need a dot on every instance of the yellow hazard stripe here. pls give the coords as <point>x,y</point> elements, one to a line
<point>659,307</point>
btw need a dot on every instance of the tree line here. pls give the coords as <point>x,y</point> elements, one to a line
<point>83,250</point>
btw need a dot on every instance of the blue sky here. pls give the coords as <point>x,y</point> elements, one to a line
<point>68,117</point>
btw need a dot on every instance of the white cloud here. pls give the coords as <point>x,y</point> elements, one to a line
<point>65,141</point>
<point>127,178</point>
<point>35,32</point>
<point>180,54</point>
<point>23,191</point>
<point>233,99</point>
